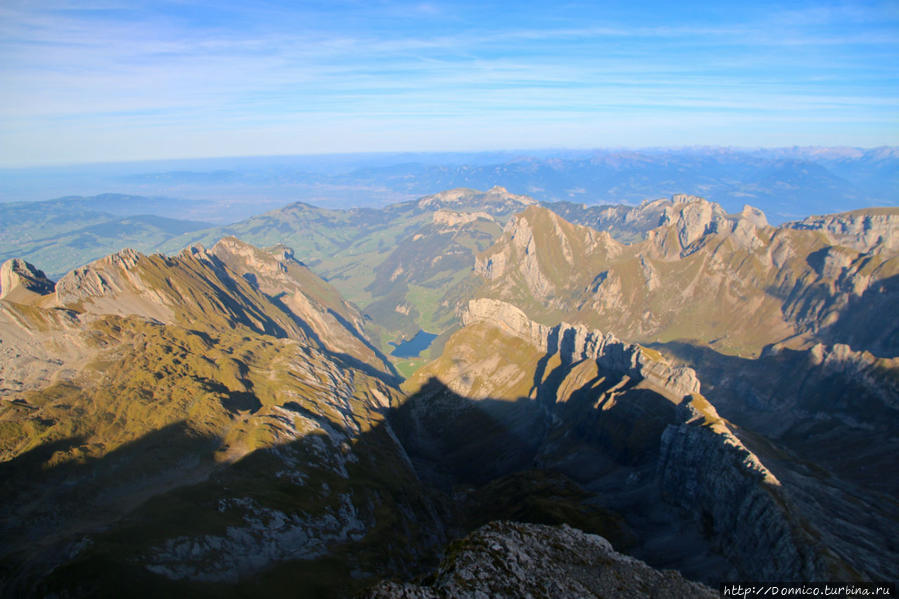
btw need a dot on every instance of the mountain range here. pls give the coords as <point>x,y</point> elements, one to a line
<point>649,398</point>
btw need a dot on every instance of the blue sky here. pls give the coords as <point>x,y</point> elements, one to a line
<point>82,81</point>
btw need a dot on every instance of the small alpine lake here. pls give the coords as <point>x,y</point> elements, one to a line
<point>409,348</point>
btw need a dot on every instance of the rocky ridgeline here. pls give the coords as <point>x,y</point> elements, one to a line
<point>693,218</point>
<point>496,265</point>
<point>512,560</point>
<point>496,200</point>
<point>113,285</point>
<point>577,342</point>
<point>451,218</point>
<point>702,467</point>
<point>278,433</point>
<point>862,230</point>
<point>339,326</point>
<point>705,469</point>
<point>522,247</point>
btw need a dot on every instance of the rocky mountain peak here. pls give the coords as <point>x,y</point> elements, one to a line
<point>255,260</point>
<point>507,560</point>
<point>20,281</point>
<point>304,296</point>
<point>753,215</point>
<point>106,277</point>
<point>693,217</point>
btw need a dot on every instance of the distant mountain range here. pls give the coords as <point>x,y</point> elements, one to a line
<point>786,183</point>
<point>72,231</point>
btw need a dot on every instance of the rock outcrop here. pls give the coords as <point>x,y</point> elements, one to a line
<point>708,472</point>
<point>496,200</point>
<point>507,560</point>
<point>695,271</point>
<point>577,342</point>
<point>692,218</point>
<point>20,281</point>
<point>452,219</point>
<point>862,230</point>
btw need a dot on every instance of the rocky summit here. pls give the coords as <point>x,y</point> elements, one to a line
<point>637,401</point>
<point>508,560</point>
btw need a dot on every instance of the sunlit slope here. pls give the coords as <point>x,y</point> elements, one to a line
<point>701,276</point>
<point>174,423</point>
<point>405,265</point>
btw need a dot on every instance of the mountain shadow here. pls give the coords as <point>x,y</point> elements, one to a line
<point>163,515</point>
<point>827,427</point>
<point>335,509</point>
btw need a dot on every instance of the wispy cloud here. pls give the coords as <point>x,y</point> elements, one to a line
<point>187,67</point>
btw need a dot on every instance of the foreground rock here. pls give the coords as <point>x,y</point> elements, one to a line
<point>506,559</point>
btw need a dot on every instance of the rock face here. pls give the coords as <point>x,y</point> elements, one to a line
<point>616,417</point>
<point>20,281</point>
<point>510,560</point>
<point>862,230</point>
<point>267,290</point>
<point>452,219</point>
<point>697,269</point>
<point>692,218</point>
<point>576,342</point>
<point>325,315</point>
<point>707,471</point>
<point>832,414</point>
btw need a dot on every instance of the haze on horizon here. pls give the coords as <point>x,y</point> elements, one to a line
<point>104,81</point>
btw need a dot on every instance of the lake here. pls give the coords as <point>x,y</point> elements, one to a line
<point>412,347</point>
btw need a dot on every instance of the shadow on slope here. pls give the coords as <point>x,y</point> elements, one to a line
<point>160,516</point>
<point>330,517</point>
<point>852,324</point>
<point>589,461</point>
<point>838,417</point>
<point>95,527</point>
<point>828,432</point>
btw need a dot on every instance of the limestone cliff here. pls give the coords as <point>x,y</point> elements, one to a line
<point>697,269</point>
<point>707,471</point>
<point>616,417</point>
<point>862,230</point>
<point>576,342</point>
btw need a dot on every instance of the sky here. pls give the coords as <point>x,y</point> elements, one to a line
<point>89,81</point>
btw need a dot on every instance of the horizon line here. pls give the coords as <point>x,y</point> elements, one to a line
<point>544,149</point>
